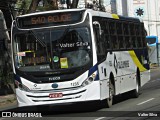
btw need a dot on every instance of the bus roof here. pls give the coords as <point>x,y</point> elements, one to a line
<point>93,12</point>
<point>51,11</point>
<point>130,18</point>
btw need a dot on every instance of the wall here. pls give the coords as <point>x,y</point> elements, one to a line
<point>147,10</point>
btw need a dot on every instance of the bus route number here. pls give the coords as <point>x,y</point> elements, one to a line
<point>74,84</point>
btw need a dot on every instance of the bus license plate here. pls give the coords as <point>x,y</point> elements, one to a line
<point>55,95</point>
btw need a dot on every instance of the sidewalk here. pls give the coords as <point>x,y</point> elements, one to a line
<point>7,100</point>
<point>154,66</point>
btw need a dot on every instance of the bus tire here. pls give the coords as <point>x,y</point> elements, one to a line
<point>135,92</point>
<point>111,94</point>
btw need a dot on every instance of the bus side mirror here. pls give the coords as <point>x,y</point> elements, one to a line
<point>96,23</point>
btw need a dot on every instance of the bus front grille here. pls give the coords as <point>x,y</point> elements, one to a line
<point>57,99</point>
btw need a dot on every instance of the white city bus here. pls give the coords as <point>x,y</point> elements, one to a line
<point>77,55</point>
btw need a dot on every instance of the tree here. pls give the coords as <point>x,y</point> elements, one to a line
<point>68,2</point>
<point>50,5</point>
<point>5,8</point>
<point>96,5</point>
<point>33,6</point>
<point>22,6</point>
<point>74,4</point>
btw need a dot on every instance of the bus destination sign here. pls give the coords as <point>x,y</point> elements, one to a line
<point>49,19</point>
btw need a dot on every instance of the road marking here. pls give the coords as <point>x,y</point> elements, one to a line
<point>100,118</point>
<point>155,80</point>
<point>145,101</point>
<point>1,118</point>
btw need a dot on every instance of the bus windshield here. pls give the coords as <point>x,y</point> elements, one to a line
<point>53,49</point>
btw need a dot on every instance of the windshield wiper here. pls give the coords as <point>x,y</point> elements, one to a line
<point>38,39</point>
<point>41,43</point>
<point>64,34</point>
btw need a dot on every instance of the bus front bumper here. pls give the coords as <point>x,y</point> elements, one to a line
<point>90,92</point>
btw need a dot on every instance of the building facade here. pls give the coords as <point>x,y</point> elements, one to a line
<point>147,10</point>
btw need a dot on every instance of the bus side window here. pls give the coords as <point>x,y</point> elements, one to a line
<point>130,42</point>
<point>115,42</point>
<point>99,39</point>
<point>134,42</point>
<point>125,28</point>
<point>144,41</point>
<point>140,35</point>
<point>144,34</point>
<point>121,42</point>
<point>139,41</point>
<point>107,42</point>
<point>112,27</point>
<point>96,37</point>
<point>127,42</point>
<point>132,29</point>
<point>107,37</point>
<point>119,28</point>
<point>113,35</point>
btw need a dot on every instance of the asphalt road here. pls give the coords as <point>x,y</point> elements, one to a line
<point>146,106</point>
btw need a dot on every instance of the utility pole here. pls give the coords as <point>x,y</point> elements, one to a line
<point>148,17</point>
<point>85,1</point>
<point>100,4</point>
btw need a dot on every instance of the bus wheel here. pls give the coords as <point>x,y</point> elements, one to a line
<point>111,94</point>
<point>135,92</point>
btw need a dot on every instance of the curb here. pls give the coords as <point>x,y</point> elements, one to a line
<point>7,98</point>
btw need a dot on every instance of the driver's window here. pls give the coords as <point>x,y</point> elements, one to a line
<point>99,36</point>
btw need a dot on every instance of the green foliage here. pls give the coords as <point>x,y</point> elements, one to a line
<point>22,6</point>
<point>25,6</point>
<point>46,6</point>
<point>5,75</point>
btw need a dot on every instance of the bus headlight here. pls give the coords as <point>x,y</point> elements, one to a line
<point>89,80</point>
<point>22,87</point>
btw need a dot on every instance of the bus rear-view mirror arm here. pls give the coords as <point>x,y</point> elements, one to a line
<point>99,27</point>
